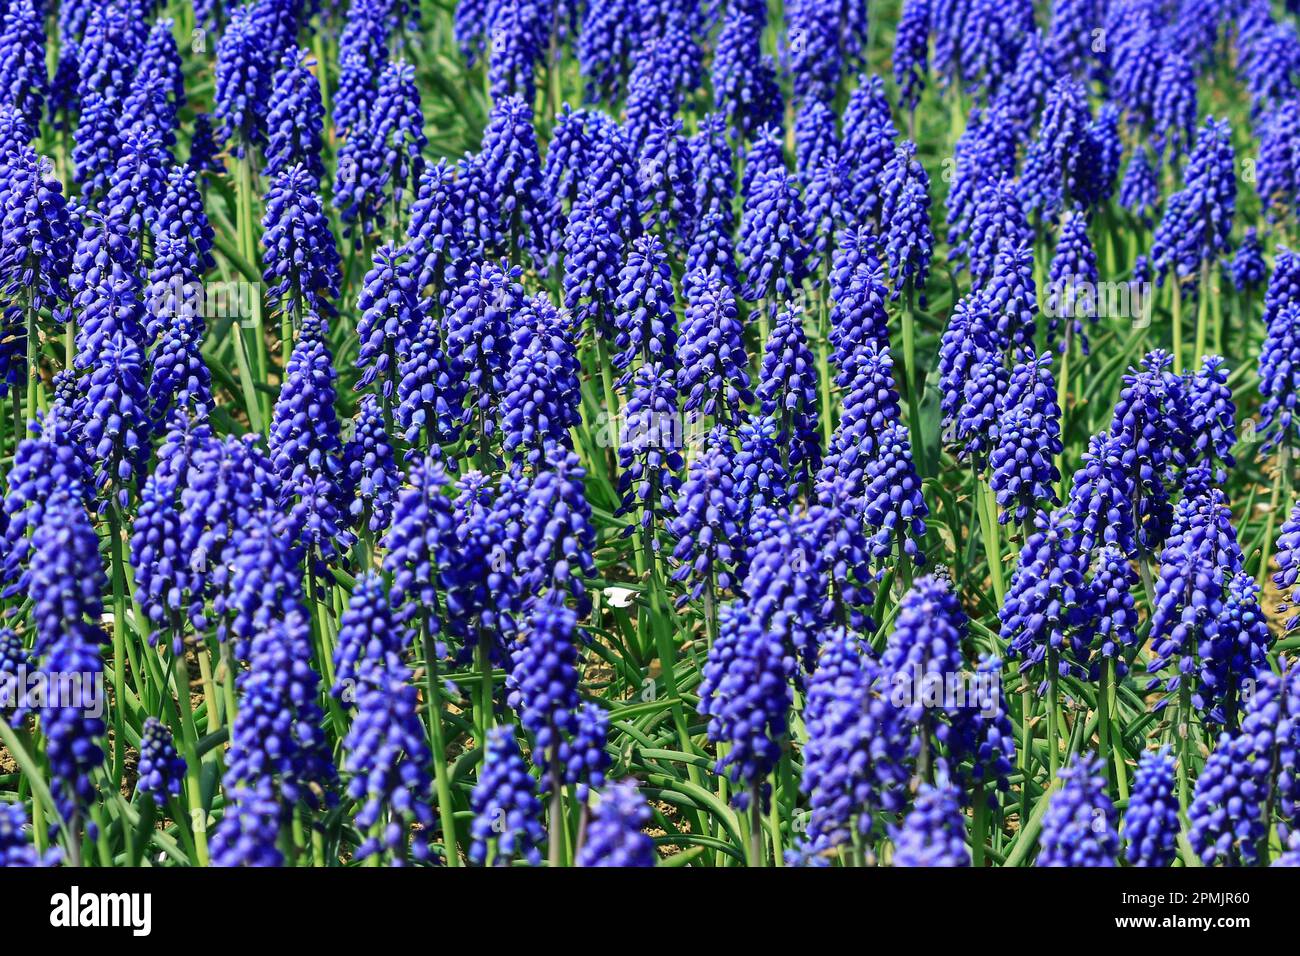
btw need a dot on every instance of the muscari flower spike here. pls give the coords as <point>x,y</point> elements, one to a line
<point>715,179</point>
<point>746,697</point>
<point>563,172</point>
<point>22,61</point>
<point>1197,222</point>
<point>65,581</point>
<point>542,390</point>
<point>773,245</point>
<point>484,600</point>
<point>924,646</point>
<point>168,587</point>
<point>1048,601</point>
<point>419,539</point>
<point>711,352</point>
<point>1070,35</point>
<point>1062,166</point>
<point>277,733</point>
<point>519,33</point>
<point>649,453</point>
<point>543,684</point>
<point>1200,555</point>
<point>243,82</point>
<point>1143,428</point>
<point>555,550</point>
<point>744,86</point>
<point>380,161</point>
<point>295,119</point>
<point>666,179</point>
<point>1114,619</point>
<point>515,181</point>
<point>430,388</point>
<point>160,770</point>
<point>856,758</point>
<point>479,313</point>
<point>857,312</point>
<point>984,158</point>
<point>607,42</point>
<point>1024,472</point>
<point>36,236</point>
<point>1175,106</point>
<point>370,467</point>
<point>934,831</point>
<point>616,835</point>
<point>998,226</point>
<point>787,394</point>
<point>387,753</point>
<point>1073,283</point>
<point>14,662</point>
<point>1233,647</point>
<point>436,237</point>
<point>1246,773</point>
<point>1276,168</point>
<point>1079,826</point>
<point>1279,378</point>
<point>870,404</point>
<point>1139,192</point>
<point>507,813</point>
<point>1150,827</point>
<point>369,632</point>
<point>300,261</point>
<point>1025,89</point>
<point>912,52</point>
<point>1248,268</point>
<point>645,323</point>
<point>588,759</point>
<point>894,507</point>
<point>906,239</point>
<point>16,849</point>
<point>706,521</point>
<point>304,439</point>
<point>387,307</point>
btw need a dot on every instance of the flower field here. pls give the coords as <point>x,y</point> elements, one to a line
<point>712,433</point>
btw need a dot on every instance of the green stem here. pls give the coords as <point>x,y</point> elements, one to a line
<point>667,651</point>
<point>483,705</point>
<point>119,642</point>
<point>441,781</point>
<point>1053,729</point>
<point>198,821</point>
<point>1184,732</point>
<point>555,849</point>
<point>988,506</point>
<point>1026,745</point>
<point>824,358</point>
<point>322,62</point>
<point>913,381</point>
<point>256,357</point>
<point>1202,312</point>
<point>1103,718</point>
<point>33,364</point>
<point>1063,402</point>
<point>607,386</point>
<point>774,822</point>
<point>1177,309</point>
<point>1280,495</point>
